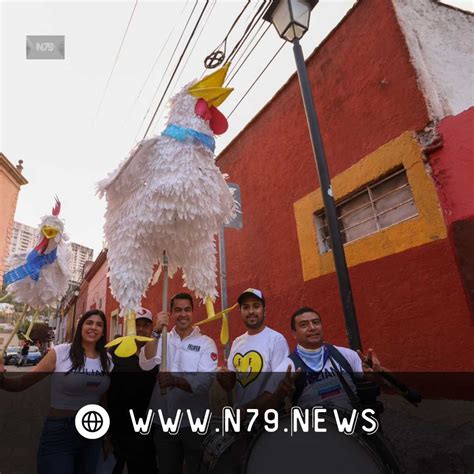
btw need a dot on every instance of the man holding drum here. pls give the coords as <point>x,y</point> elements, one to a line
<point>317,373</point>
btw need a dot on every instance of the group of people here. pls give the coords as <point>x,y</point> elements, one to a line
<point>260,372</point>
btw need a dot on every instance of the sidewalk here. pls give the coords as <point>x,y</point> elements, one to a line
<point>21,419</point>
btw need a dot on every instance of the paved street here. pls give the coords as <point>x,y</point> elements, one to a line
<point>12,368</point>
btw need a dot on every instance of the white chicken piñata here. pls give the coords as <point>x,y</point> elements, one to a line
<point>169,196</point>
<point>40,276</point>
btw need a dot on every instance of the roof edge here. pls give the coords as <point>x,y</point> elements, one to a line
<point>19,178</point>
<point>98,262</point>
<point>452,7</point>
<point>292,77</point>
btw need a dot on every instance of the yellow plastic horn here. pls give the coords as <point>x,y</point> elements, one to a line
<point>224,336</point>
<point>127,345</point>
<point>210,308</point>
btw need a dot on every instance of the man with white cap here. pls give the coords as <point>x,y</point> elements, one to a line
<point>254,355</point>
<point>131,388</point>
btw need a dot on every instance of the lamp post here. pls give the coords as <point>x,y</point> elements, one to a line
<point>291,20</point>
<point>76,294</point>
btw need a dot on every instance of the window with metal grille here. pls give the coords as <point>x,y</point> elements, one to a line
<point>377,206</point>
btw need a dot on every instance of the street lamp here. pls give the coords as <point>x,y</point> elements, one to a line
<point>76,294</point>
<point>291,20</point>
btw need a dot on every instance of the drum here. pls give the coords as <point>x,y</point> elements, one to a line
<point>313,452</point>
<point>223,453</point>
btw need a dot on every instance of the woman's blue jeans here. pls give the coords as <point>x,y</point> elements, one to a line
<point>62,450</point>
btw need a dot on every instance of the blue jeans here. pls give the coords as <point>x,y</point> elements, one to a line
<point>62,450</point>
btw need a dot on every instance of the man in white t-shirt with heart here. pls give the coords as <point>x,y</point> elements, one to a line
<point>254,355</point>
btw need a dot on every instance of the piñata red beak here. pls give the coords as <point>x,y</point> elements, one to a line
<point>217,121</point>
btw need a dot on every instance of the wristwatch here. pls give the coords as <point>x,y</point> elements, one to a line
<point>156,334</point>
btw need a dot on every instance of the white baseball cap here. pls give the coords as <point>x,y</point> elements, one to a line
<point>251,292</point>
<point>143,313</point>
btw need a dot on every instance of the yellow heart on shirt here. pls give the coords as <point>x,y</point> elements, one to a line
<point>248,366</point>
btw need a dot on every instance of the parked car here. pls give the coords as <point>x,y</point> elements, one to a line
<point>34,356</point>
<point>12,353</point>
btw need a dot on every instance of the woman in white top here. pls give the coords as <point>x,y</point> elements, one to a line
<point>80,376</point>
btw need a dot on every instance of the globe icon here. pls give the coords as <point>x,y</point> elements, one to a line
<point>92,421</point>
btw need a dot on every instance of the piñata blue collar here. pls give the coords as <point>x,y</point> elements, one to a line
<point>32,268</point>
<point>182,134</point>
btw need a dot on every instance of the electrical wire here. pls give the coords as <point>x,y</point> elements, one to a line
<point>258,77</point>
<point>246,19</point>
<point>176,67</point>
<point>236,21</point>
<point>176,82</point>
<point>248,30</point>
<point>167,67</point>
<point>217,57</point>
<point>235,62</point>
<point>235,71</point>
<point>116,59</point>
<point>157,59</point>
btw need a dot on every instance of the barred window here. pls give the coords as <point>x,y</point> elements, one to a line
<point>377,206</point>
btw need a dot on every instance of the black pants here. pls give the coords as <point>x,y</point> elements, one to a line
<point>135,451</point>
<point>172,450</point>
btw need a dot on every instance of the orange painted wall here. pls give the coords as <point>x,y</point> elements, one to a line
<point>9,189</point>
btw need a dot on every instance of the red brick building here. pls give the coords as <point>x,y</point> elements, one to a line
<point>402,176</point>
<point>92,293</point>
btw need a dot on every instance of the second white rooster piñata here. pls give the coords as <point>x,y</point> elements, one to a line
<point>40,276</point>
<point>169,195</point>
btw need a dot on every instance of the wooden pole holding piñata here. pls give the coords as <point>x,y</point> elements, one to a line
<point>164,332</point>
<point>30,327</point>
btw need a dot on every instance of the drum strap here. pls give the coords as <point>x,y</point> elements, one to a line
<point>334,355</point>
<point>355,402</point>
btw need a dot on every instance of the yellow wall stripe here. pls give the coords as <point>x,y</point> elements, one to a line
<point>426,227</point>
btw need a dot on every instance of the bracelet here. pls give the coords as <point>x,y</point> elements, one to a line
<point>156,334</point>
